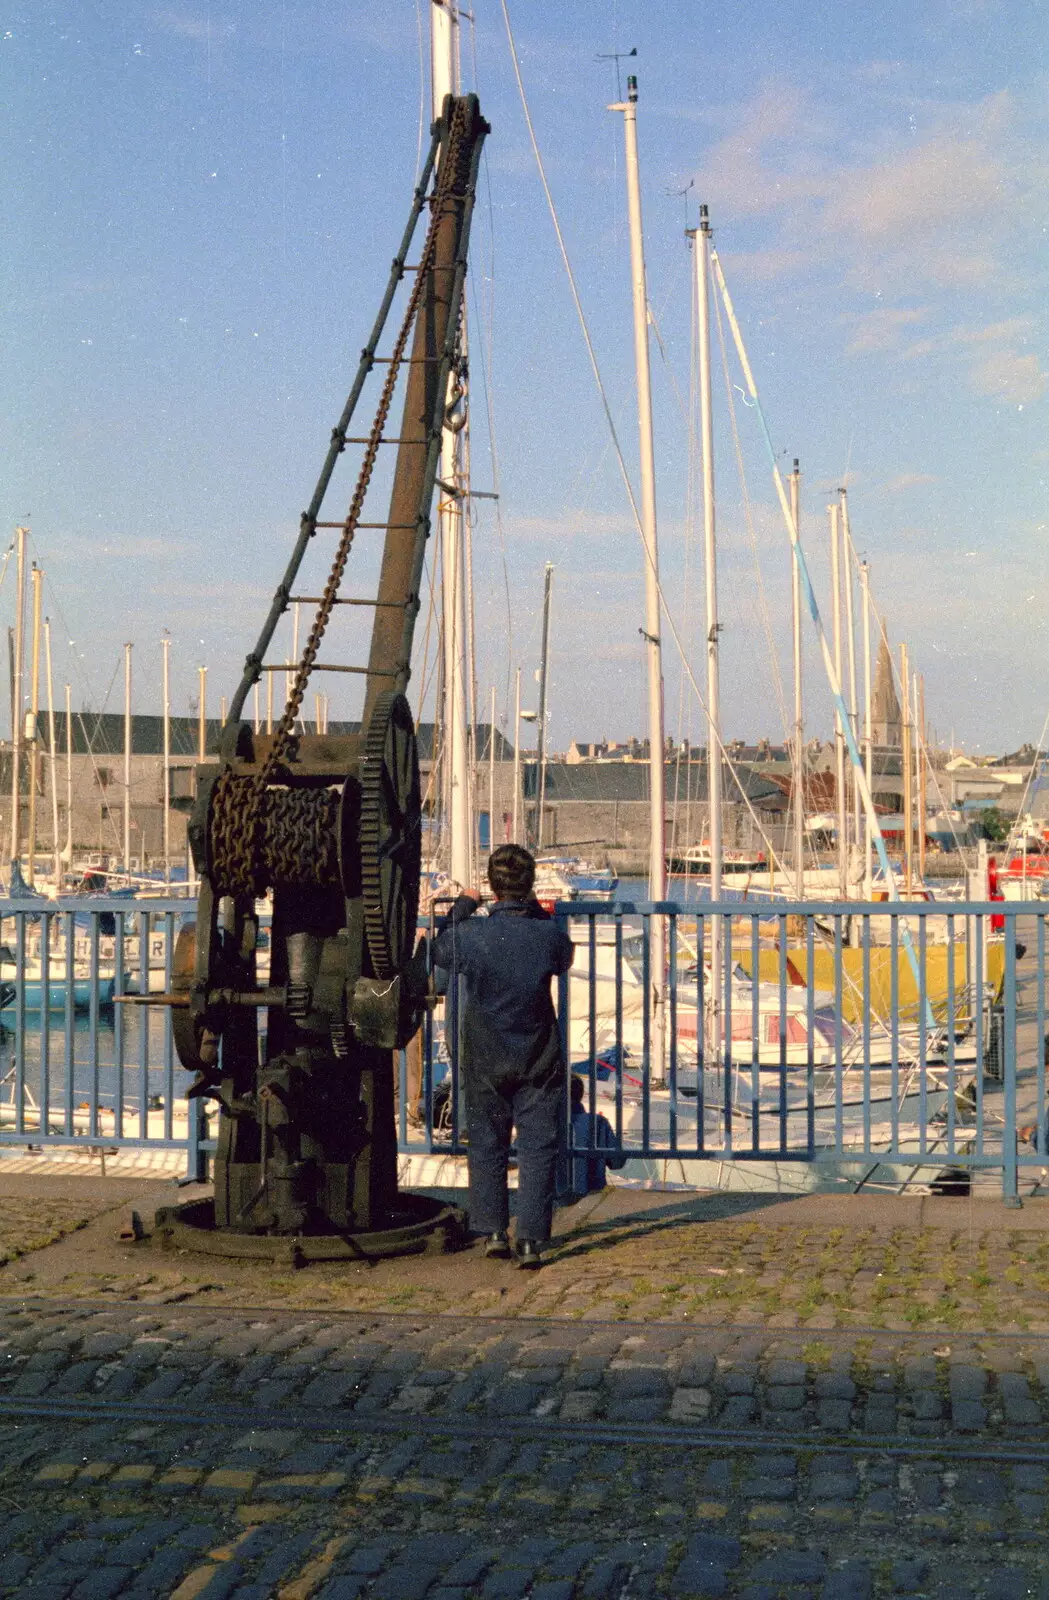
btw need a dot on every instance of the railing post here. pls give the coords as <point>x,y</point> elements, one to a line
<point>196,1158</point>
<point>561,917</point>
<point>1010,1194</point>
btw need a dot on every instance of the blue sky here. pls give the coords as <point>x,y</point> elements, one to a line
<point>203,200</point>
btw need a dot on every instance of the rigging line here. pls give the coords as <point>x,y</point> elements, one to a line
<point>493,457</point>
<point>686,586</point>
<point>485,301</point>
<point>1039,756</point>
<point>883,633</point>
<point>485,305</point>
<point>777,676</point>
<point>814,611</point>
<point>89,740</point>
<point>78,671</point>
<point>606,408</point>
<point>422,88</point>
<point>424,676</point>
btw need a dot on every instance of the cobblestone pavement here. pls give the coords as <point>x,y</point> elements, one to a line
<point>30,1223</point>
<point>177,1451</point>
<point>727,1270</point>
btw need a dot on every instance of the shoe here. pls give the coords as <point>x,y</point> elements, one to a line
<point>526,1255</point>
<point>497,1247</point>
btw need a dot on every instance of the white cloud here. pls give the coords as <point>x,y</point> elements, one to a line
<point>186,26</point>
<point>1008,376</point>
<point>882,329</point>
<point>569,526</point>
<point>917,192</point>
<point>908,480</point>
<point>896,211</point>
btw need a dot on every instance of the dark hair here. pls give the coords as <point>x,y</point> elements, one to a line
<point>511,872</point>
<point>578,1089</point>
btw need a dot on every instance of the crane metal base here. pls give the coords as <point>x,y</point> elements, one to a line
<point>416,1224</point>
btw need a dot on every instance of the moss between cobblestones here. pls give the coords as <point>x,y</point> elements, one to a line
<point>720,1270</point>
<point>28,1224</point>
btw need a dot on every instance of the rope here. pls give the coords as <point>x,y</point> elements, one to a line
<point>777,676</point>
<point>606,408</point>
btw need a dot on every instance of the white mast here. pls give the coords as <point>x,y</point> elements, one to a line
<point>702,250</point>
<point>799,721</point>
<point>868,862</point>
<point>839,731</point>
<point>908,769</point>
<point>491,777</point>
<point>850,631</point>
<point>517,760</point>
<point>165,645</point>
<point>16,703</point>
<point>52,756</point>
<point>202,714</point>
<point>922,762</point>
<point>69,775</point>
<point>290,680</point>
<point>127,759</point>
<point>544,680</point>
<point>444,80</point>
<point>34,713</point>
<point>657,861</point>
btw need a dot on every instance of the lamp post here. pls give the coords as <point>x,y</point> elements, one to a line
<point>522,716</point>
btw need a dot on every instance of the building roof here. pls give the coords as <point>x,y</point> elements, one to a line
<point>885,704</point>
<point>612,781</point>
<point>101,733</point>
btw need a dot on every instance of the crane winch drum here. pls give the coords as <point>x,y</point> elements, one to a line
<point>330,828</point>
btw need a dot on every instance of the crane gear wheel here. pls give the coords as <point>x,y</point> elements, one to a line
<point>187,1029</point>
<point>391,834</point>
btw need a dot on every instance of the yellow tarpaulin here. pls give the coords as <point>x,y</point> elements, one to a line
<point>939,959</point>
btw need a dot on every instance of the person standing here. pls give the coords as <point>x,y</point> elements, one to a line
<point>513,1065</point>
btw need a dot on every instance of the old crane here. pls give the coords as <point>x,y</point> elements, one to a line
<point>331,828</point>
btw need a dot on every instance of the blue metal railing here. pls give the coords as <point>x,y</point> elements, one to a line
<point>834,1054</point>
<point>78,1067</point>
<point>842,1052</point>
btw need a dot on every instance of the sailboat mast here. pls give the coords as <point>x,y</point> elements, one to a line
<point>544,662</point>
<point>517,759</point>
<point>646,450</point>
<point>202,713</point>
<point>709,560</point>
<point>799,719</point>
<point>922,774</point>
<point>16,702</point>
<point>908,770</point>
<point>34,745</point>
<point>491,777</point>
<point>657,860</point>
<point>69,775</point>
<point>839,731</point>
<point>850,636</point>
<point>868,755</point>
<point>52,761</point>
<point>127,759</point>
<point>444,80</point>
<point>165,645</point>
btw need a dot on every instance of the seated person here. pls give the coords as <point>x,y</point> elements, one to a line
<point>583,1174</point>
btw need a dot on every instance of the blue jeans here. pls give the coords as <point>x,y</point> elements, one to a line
<point>498,1100</point>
